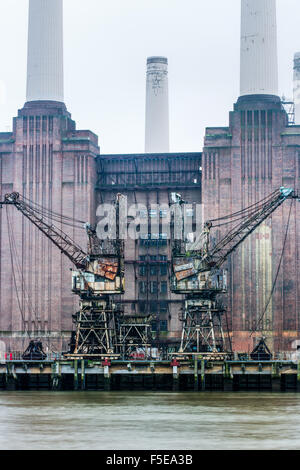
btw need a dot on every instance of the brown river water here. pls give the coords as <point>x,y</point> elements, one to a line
<point>146,420</point>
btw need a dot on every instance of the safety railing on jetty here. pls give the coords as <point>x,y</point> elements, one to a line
<point>54,356</point>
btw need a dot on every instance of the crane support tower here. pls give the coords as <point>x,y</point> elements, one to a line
<point>98,275</point>
<point>198,273</point>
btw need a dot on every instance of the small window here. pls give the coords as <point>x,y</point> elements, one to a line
<point>163,287</point>
<point>163,270</point>
<point>152,213</point>
<point>155,236</point>
<point>163,325</point>
<point>143,270</point>
<point>143,287</point>
<point>153,270</point>
<point>153,287</point>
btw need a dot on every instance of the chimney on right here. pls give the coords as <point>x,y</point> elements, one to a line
<point>297,87</point>
<point>259,61</point>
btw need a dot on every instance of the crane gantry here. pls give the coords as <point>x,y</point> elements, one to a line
<point>197,272</point>
<point>98,275</point>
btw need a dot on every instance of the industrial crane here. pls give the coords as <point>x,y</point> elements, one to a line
<point>197,272</point>
<point>98,274</point>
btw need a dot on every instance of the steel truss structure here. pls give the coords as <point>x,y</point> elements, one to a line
<point>135,336</point>
<point>95,325</point>
<point>202,329</point>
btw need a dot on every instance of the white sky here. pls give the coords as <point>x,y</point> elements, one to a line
<point>106,46</point>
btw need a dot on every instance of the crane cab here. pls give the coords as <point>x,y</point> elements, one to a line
<point>187,279</point>
<point>103,276</point>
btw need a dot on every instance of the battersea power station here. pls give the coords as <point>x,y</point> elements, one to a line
<point>60,175</point>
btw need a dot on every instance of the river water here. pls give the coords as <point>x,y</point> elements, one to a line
<point>147,421</point>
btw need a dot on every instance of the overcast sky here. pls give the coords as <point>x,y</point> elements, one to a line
<point>106,46</point>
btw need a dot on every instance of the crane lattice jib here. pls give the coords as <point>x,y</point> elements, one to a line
<point>65,244</point>
<point>218,255</point>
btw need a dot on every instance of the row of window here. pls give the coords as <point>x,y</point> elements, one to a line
<point>153,258</point>
<point>152,307</point>
<point>161,270</point>
<point>153,287</point>
<point>163,213</point>
<point>163,325</point>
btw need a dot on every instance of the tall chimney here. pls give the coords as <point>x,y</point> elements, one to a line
<point>259,63</point>
<point>297,87</point>
<point>45,75</point>
<point>157,106</point>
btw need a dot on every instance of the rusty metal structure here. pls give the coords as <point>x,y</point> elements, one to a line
<point>198,274</point>
<point>135,338</point>
<point>99,275</point>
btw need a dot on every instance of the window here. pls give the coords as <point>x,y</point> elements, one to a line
<point>153,287</point>
<point>163,287</point>
<point>163,307</point>
<point>143,287</point>
<point>163,213</point>
<point>153,307</point>
<point>152,213</point>
<point>155,236</point>
<point>153,270</point>
<point>163,269</point>
<point>143,270</point>
<point>154,326</point>
<point>163,325</point>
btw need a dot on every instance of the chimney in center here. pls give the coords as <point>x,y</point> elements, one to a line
<point>157,106</point>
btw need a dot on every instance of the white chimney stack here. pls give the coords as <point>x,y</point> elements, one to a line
<point>297,87</point>
<point>45,74</point>
<point>157,106</point>
<point>259,63</point>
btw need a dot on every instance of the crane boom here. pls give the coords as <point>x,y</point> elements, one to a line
<point>65,244</point>
<point>218,255</point>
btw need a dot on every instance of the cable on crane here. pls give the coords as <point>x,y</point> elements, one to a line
<point>277,272</point>
<point>13,270</point>
<point>48,213</point>
<point>20,271</point>
<point>244,212</point>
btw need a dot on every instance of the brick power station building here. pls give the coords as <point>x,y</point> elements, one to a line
<point>50,162</point>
